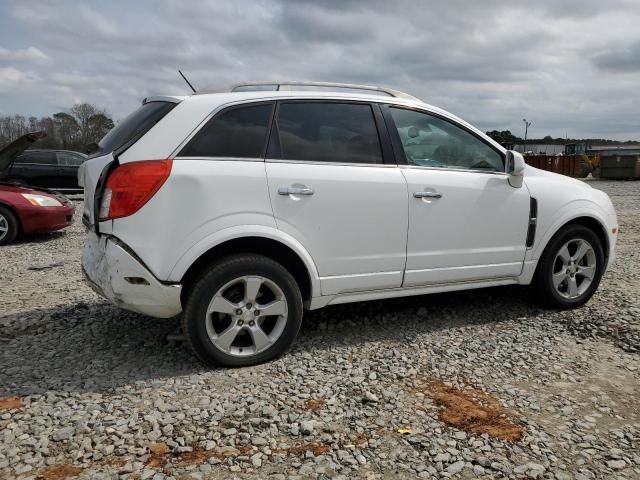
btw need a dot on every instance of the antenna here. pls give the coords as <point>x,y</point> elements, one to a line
<point>188,82</point>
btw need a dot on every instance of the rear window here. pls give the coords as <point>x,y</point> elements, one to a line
<point>133,127</point>
<point>239,132</point>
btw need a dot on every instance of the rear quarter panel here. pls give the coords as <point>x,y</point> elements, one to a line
<point>200,197</point>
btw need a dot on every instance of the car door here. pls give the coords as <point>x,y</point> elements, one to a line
<point>332,191</point>
<point>68,164</point>
<point>466,223</point>
<point>38,168</point>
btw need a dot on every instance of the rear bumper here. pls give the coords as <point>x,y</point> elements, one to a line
<point>107,265</point>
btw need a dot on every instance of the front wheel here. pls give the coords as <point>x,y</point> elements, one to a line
<point>570,268</point>
<point>8,226</point>
<point>245,310</point>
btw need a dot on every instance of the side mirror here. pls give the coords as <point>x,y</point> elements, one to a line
<point>515,168</point>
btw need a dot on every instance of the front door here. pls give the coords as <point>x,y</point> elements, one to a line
<point>331,191</point>
<point>466,223</point>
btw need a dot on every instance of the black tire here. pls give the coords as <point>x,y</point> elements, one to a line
<point>13,226</point>
<point>544,274</point>
<point>216,277</point>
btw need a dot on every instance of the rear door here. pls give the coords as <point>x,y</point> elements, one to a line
<point>332,191</point>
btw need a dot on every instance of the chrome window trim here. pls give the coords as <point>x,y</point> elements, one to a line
<point>450,169</point>
<point>278,160</point>
<point>223,159</point>
<point>39,164</point>
<point>340,164</point>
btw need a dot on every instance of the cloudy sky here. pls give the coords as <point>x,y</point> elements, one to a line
<point>570,66</point>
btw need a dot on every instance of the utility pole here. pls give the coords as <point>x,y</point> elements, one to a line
<point>526,129</point>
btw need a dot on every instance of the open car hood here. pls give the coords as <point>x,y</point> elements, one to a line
<point>9,153</point>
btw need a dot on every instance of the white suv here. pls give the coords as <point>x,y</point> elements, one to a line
<point>242,208</point>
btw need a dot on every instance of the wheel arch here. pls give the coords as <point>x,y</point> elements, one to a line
<point>592,223</point>
<point>277,250</point>
<point>12,209</point>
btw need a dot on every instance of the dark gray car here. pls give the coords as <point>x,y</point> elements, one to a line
<point>57,169</point>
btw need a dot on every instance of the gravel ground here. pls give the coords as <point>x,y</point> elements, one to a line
<point>463,385</point>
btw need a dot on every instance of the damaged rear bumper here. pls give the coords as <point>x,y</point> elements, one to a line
<point>118,276</point>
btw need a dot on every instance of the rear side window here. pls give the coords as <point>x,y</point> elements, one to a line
<point>133,127</point>
<point>239,132</point>
<point>41,158</point>
<point>328,132</point>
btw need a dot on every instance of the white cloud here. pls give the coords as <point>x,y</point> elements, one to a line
<point>27,55</point>
<point>572,67</point>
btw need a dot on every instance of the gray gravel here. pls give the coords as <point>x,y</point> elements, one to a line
<point>104,395</point>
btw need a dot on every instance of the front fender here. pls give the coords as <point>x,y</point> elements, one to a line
<point>547,228</point>
<point>231,233</point>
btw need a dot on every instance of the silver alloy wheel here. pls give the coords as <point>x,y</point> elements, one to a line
<point>4,226</point>
<point>574,268</point>
<point>246,316</point>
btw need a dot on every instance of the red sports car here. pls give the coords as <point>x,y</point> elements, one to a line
<point>25,209</point>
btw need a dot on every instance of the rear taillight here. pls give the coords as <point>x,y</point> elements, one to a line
<point>132,185</point>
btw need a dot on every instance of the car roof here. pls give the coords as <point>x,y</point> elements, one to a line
<point>223,98</point>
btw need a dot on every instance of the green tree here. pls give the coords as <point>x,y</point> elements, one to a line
<point>99,125</point>
<point>68,128</point>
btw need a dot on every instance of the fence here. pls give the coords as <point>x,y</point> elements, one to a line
<point>570,165</point>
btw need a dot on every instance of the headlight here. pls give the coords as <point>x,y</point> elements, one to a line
<point>41,200</point>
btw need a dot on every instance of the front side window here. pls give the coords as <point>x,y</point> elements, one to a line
<point>70,159</point>
<point>429,141</point>
<point>328,132</point>
<point>239,132</point>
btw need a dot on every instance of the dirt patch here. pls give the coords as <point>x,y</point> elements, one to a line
<point>474,411</point>
<point>361,439</point>
<point>200,455</point>
<point>11,403</point>
<point>59,472</point>
<point>314,404</point>
<point>160,455</point>
<point>299,450</point>
<point>159,448</point>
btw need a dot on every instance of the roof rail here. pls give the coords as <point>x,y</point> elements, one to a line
<point>276,86</point>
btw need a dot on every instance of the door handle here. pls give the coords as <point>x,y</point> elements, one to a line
<point>427,195</point>
<point>295,191</point>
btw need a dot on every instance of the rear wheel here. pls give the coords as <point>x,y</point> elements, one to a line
<point>244,310</point>
<point>570,268</point>
<point>8,226</point>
